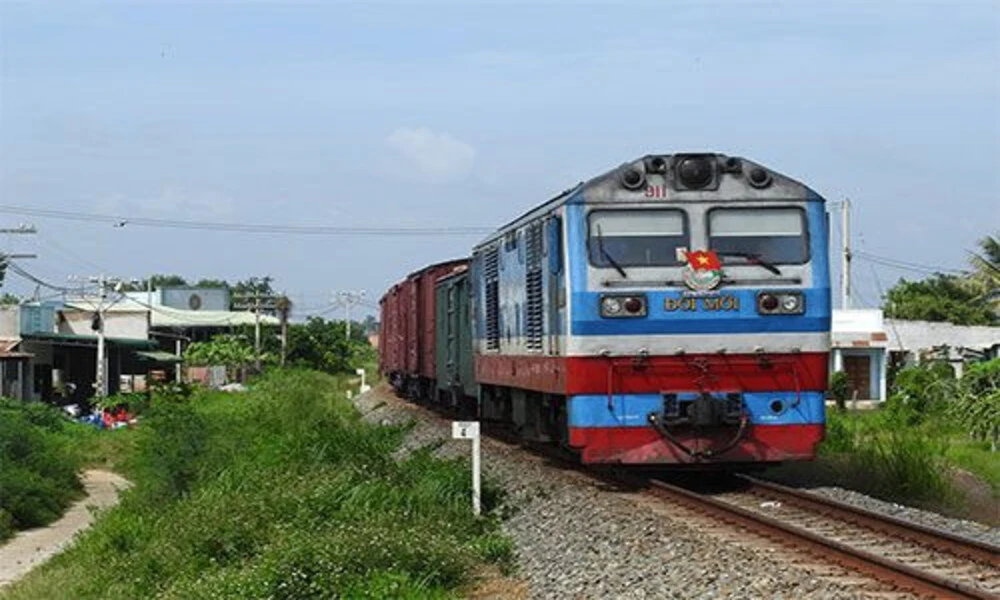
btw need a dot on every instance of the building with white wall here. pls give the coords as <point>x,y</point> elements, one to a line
<point>859,347</point>
<point>864,344</point>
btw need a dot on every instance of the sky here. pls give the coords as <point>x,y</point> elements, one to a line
<point>461,115</point>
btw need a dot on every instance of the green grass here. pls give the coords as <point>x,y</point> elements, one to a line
<point>890,454</point>
<point>281,492</point>
<point>975,457</point>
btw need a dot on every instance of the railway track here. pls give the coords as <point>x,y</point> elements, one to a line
<point>904,555</point>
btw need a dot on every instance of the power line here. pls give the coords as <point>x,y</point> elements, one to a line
<point>930,268</point>
<point>349,299</point>
<point>907,266</point>
<point>20,271</point>
<point>77,257</point>
<point>122,221</point>
<point>885,298</point>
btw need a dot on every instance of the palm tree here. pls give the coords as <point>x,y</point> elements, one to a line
<point>985,275</point>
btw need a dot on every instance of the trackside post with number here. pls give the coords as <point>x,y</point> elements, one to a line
<point>469,430</point>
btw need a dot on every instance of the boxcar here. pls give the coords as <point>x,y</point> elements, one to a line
<point>390,346</point>
<point>410,367</point>
<point>453,333</point>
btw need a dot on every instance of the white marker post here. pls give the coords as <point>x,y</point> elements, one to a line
<point>364,386</point>
<point>469,430</point>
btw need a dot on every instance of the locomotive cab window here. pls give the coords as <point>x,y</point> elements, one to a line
<point>636,238</point>
<point>770,235</point>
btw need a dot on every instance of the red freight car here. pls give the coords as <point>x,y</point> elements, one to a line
<point>407,358</point>
<point>390,349</point>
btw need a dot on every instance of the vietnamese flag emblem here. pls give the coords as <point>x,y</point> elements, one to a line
<point>704,260</point>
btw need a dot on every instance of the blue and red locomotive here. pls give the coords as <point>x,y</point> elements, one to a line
<point>675,310</point>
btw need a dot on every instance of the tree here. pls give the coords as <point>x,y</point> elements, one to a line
<point>212,283</point>
<point>158,281</point>
<point>231,351</point>
<point>254,285</point>
<point>938,298</point>
<point>985,278</point>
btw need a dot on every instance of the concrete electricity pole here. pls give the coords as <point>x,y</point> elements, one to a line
<point>103,286</point>
<point>284,306</point>
<point>21,229</point>
<point>256,303</point>
<point>845,266</point>
<point>349,299</point>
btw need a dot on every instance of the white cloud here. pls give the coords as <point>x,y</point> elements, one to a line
<point>436,156</point>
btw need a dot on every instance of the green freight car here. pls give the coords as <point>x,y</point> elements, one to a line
<point>456,381</point>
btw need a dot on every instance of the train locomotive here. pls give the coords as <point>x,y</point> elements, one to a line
<point>672,311</point>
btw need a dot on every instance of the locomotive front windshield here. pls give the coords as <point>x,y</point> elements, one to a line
<point>635,238</point>
<point>769,235</point>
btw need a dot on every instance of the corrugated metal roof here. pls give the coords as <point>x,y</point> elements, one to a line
<point>922,335</point>
<point>78,338</point>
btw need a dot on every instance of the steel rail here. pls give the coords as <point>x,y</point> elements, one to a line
<point>914,532</point>
<point>881,568</point>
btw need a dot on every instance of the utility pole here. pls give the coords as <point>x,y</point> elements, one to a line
<point>284,306</point>
<point>349,299</point>
<point>103,285</point>
<point>256,303</point>
<point>21,229</point>
<point>845,266</point>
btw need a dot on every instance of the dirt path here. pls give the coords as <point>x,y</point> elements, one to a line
<point>33,547</point>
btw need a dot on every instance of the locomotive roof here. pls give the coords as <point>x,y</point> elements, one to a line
<point>732,179</point>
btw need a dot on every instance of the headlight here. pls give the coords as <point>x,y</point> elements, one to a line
<point>790,303</point>
<point>611,306</point>
<point>781,303</point>
<point>623,306</point>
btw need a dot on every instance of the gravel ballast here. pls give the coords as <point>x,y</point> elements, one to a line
<point>578,537</point>
<point>969,529</point>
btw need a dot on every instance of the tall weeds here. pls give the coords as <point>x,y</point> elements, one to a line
<point>883,454</point>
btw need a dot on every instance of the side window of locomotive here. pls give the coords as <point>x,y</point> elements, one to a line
<point>774,235</point>
<point>636,238</point>
<point>553,245</point>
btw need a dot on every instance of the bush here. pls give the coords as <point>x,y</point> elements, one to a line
<point>921,391</point>
<point>840,433</point>
<point>38,468</point>
<point>168,446</point>
<point>840,389</point>
<point>977,407</point>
